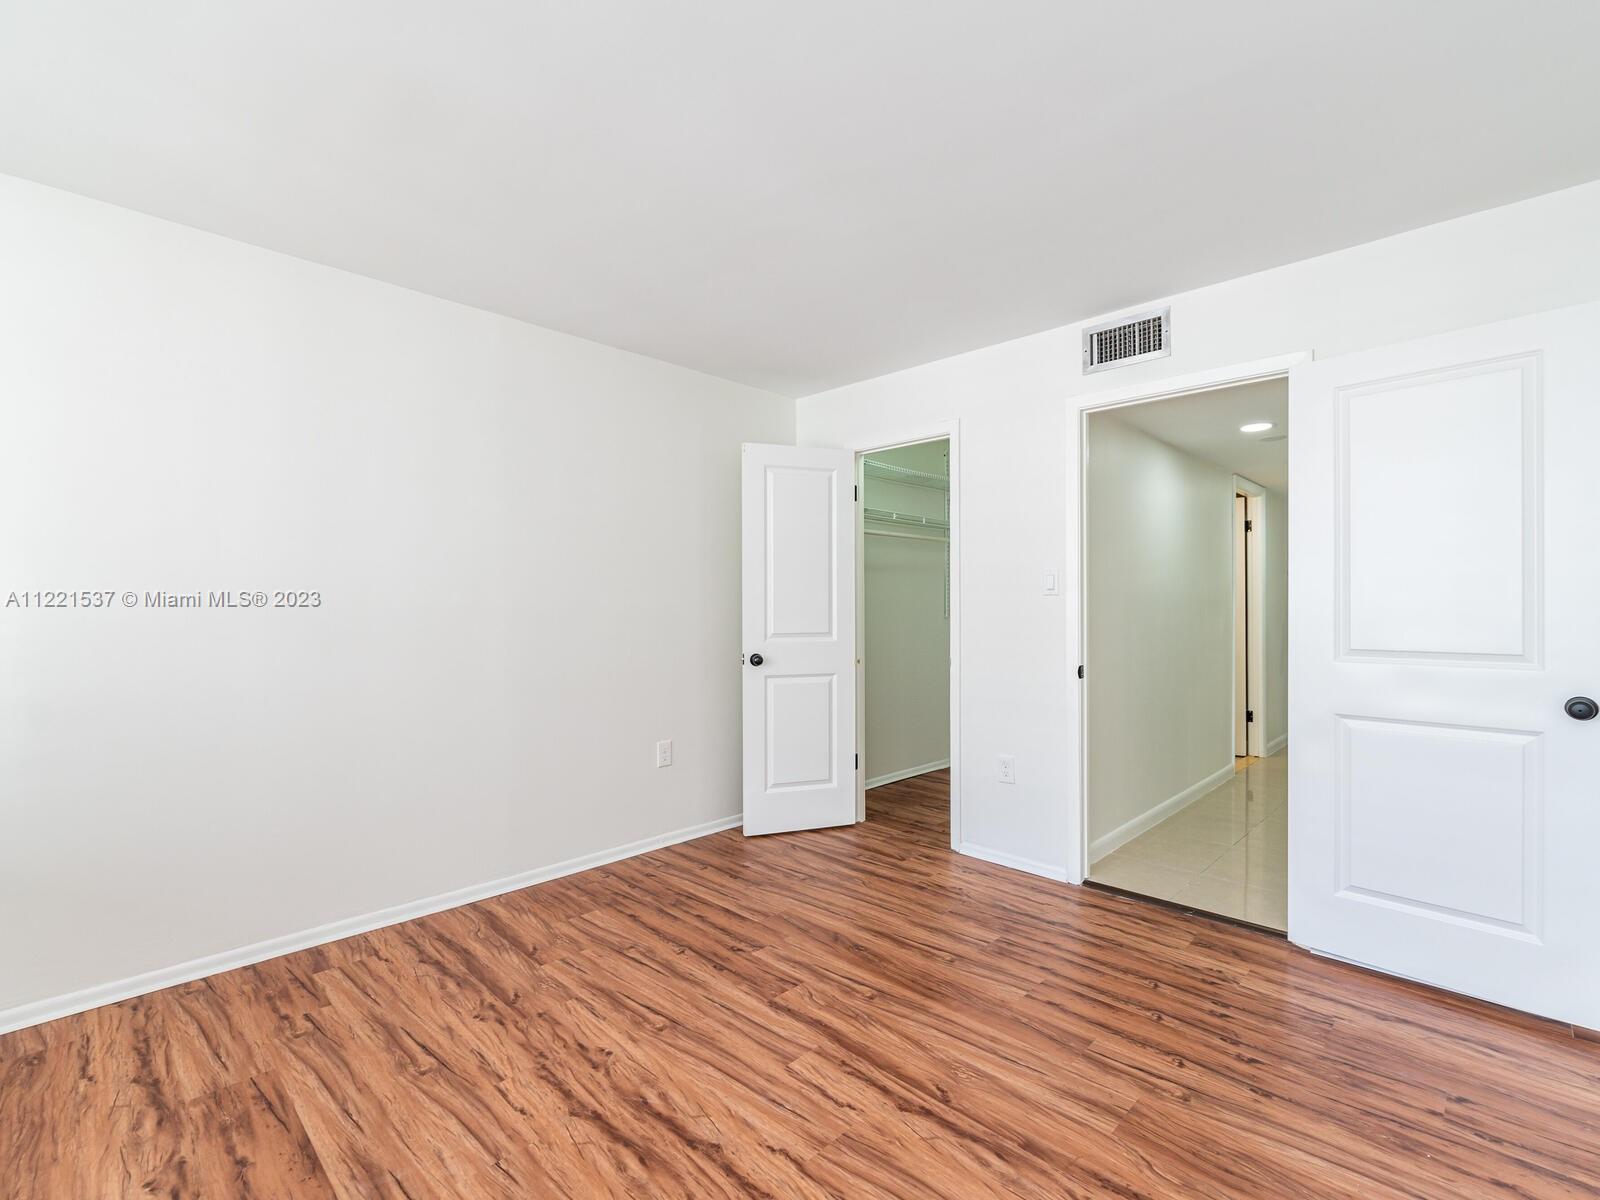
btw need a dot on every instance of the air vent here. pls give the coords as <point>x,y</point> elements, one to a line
<point>1148,335</point>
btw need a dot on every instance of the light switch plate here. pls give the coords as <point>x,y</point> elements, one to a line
<point>664,753</point>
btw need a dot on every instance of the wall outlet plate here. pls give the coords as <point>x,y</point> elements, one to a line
<point>1007,769</point>
<point>664,753</point>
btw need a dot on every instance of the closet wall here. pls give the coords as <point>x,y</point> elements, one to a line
<point>907,626</point>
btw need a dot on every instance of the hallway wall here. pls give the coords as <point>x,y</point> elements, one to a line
<point>1159,655</point>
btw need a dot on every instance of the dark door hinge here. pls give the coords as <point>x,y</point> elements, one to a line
<point>1249,525</point>
<point>1080,670</point>
<point>858,762</point>
<point>1249,716</point>
<point>857,490</point>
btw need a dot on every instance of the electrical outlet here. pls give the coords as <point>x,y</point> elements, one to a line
<point>664,753</point>
<point>1008,769</point>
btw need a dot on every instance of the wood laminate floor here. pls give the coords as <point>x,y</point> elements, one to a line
<point>850,1013</point>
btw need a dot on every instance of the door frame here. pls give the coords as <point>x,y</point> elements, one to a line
<point>1169,388</point>
<point>1255,606</point>
<point>891,439</point>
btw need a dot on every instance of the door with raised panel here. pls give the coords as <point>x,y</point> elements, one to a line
<point>799,638</point>
<point>1444,813</point>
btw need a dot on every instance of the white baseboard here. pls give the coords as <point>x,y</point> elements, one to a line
<point>1015,862</point>
<point>39,1011</point>
<point>1150,818</point>
<point>1275,745</point>
<point>908,773</point>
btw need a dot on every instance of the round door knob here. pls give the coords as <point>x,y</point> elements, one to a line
<point>1581,708</point>
<point>756,660</point>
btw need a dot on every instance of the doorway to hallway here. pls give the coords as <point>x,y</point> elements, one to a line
<point>1186,691</point>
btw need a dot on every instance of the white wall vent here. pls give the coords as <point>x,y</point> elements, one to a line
<point>1131,340</point>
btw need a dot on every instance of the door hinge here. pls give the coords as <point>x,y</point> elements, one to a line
<point>1080,670</point>
<point>858,762</point>
<point>1249,716</point>
<point>857,489</point>
<point>1249,525</point>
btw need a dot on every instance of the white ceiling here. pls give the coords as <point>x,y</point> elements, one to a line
<point>801,194</point>
<point>1207,426</point>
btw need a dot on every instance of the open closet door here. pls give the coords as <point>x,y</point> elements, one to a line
<point>1444,809</point>
<point>799,638</point>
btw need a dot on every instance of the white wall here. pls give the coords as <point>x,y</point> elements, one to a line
<point>1017,406</point>
<point>506,626</point>
<point>1160,625</point>
<point>906,638</point>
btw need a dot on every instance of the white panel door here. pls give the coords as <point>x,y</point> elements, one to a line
<point>799,638</point>
<point>1444,568</point>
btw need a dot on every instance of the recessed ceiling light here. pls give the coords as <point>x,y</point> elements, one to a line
<point>1256,427</point>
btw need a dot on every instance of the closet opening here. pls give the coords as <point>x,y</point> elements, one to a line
<point>906,573</point>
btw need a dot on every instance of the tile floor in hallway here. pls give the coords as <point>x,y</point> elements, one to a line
<point>1227,853</point>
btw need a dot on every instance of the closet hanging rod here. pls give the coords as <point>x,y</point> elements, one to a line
<point>875,469</point>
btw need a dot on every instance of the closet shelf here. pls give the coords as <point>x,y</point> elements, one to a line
<point>874,469</point>
<point>882,516</point>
